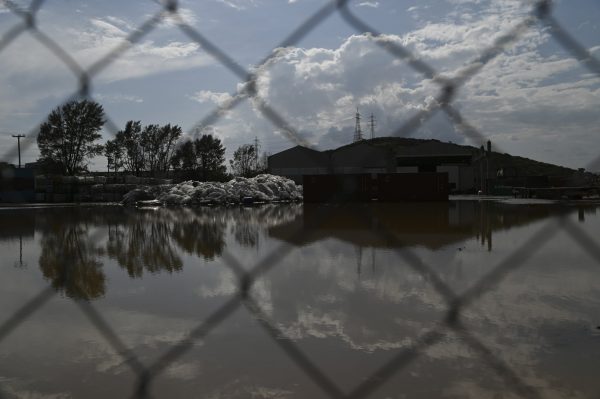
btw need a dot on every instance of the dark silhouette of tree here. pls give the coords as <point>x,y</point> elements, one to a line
<point>68,136</point>
<point>185,157</point>
<point>150,148</point>
<point>211,156</point>
<point>129,139</point>
<point>244,161</point>
<point>113,152</point>
<point>204,156</point>
<point>158,143</point>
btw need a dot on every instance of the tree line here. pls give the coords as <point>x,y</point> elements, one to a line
<point>68,139</point>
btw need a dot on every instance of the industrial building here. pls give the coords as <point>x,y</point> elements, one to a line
<point>387,155</point>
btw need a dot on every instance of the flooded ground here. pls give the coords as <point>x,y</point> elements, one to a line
<point>293,301</point>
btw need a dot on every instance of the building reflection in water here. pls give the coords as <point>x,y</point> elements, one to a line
<point>430,225</point>
<point>153,240</point>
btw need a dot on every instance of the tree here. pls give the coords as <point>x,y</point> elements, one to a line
<point>114,155</point>
<point>158,146</point>
<point>68,136</point>
<point>185,157</point>
<point>244,161</point>
<point>204,156</point>
<point>150,148</point>
<point>170,135</point>
<point>129,139</point>
<point>211,157</point>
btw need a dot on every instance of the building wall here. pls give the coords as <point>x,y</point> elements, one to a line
<point>364,158</point>
<point>385,187</point>
<point>453,175</point>
<point>407,169</point>
<point>361,157</point>
<point>297,162</point>
<point>466,178</point>
<point>460,177</point>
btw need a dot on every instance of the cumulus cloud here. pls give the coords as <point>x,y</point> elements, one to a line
<point>216,98</point>
<point>524,93</point>
<point>145,58</point>
<point>372,4</point>
<point>531,99</point>
<point>34,80</point>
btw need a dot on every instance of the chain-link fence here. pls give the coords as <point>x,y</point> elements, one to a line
<point>541,13</point>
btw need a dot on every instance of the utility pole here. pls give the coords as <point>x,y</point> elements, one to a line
<point>18,137</point>
<point>372,125</point>
<point>357,129</point>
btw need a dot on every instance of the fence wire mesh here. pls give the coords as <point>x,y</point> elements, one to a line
<point>541,13</point>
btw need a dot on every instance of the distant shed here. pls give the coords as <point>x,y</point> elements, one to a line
<point>297,161</point>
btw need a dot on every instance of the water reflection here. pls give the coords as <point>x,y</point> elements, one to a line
<point>342,294</point>
<point>200,232</point>
<point>143,244</point>
<point>153,240</point>
<point>430,225</point>
<point>145,240</point>
<point>70,261</point>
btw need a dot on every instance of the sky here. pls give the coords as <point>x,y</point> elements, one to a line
<point>533,99</point>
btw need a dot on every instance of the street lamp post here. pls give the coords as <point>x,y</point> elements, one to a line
<point>18,137</point>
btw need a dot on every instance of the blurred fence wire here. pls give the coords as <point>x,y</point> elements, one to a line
<point>541,13</point>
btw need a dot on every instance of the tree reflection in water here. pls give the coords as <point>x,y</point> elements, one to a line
<point>153,241</point>
<point>248,223</point>
<point>143,243</point>
<point>69,259</point>
<point>141,240</point>
<point>245,227</point>
<point>200,231</point>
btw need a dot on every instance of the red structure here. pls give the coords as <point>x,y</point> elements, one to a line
<point>383,187</point>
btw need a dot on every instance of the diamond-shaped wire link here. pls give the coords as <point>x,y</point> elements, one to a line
<point>542,13</point>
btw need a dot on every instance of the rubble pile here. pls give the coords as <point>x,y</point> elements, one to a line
<point>262,188</point>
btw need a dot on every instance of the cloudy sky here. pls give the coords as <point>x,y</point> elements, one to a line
<point>534,99</point>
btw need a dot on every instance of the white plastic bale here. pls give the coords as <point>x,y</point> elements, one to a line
<point>264,188</point>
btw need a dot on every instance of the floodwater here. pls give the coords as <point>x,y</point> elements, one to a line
<point>292,301</point>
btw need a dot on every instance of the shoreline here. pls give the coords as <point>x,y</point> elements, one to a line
<point>474,197</point>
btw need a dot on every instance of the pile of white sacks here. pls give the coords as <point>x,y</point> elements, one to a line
<point>262,188</point>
